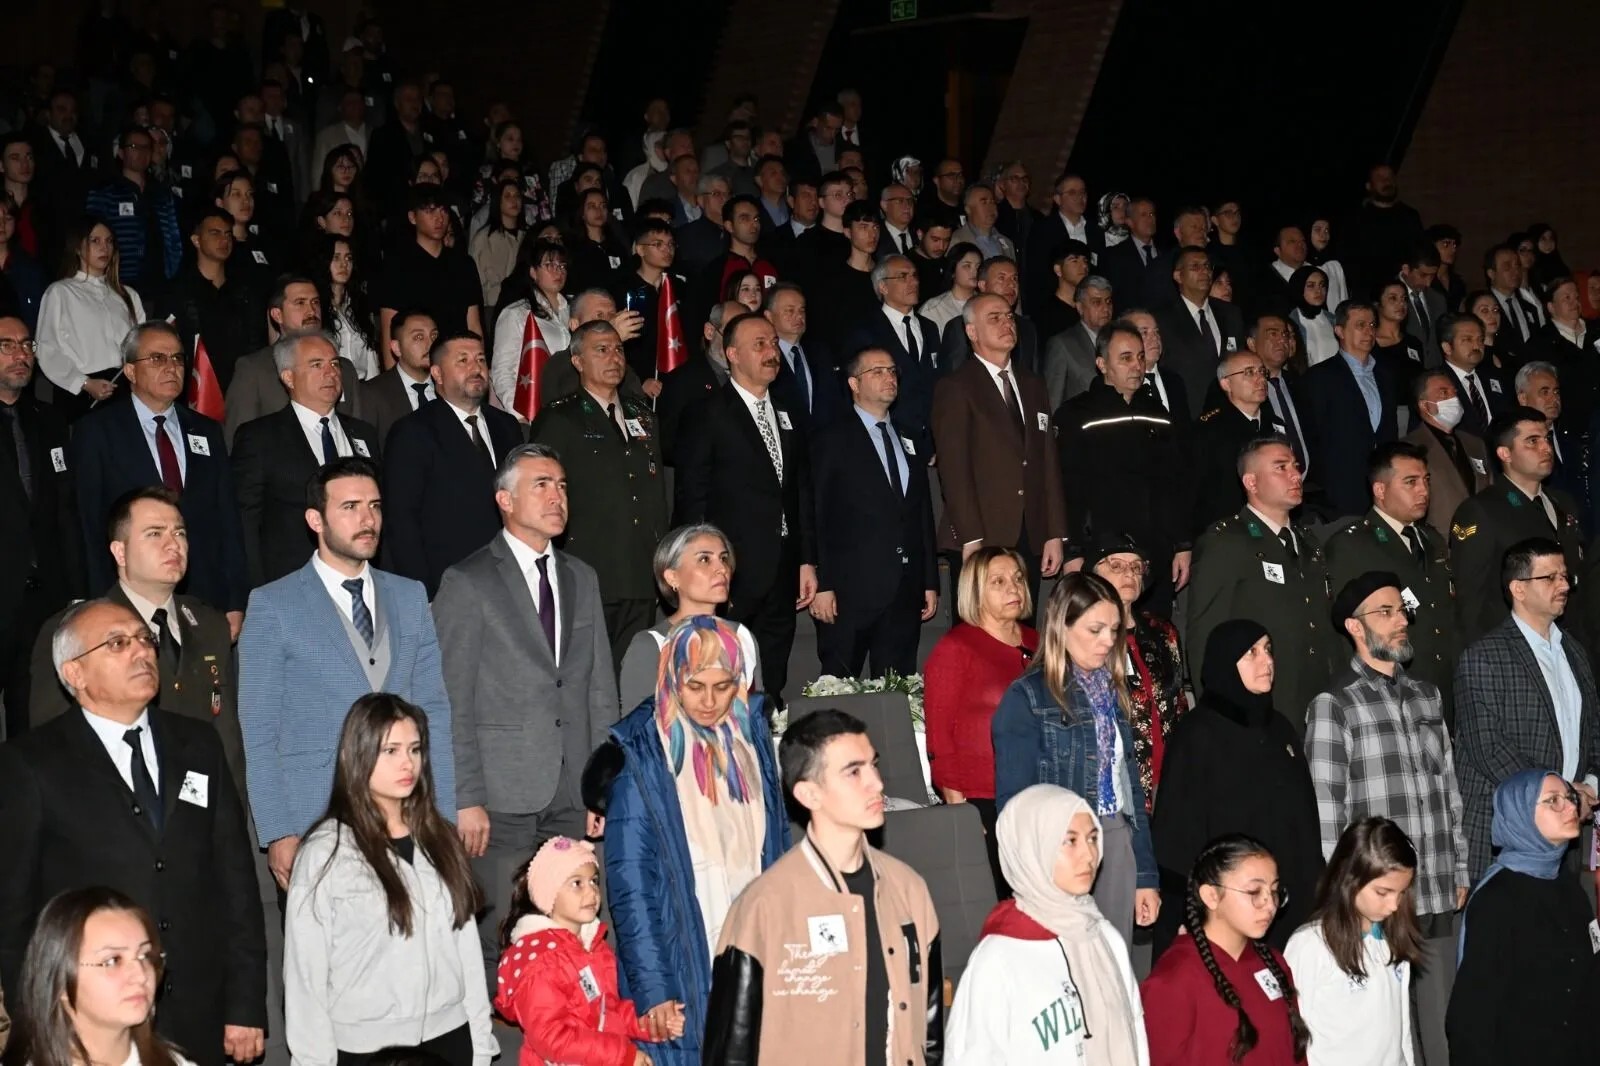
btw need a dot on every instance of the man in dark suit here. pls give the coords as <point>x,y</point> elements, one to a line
<point>1197,331</point>
<point>119,793</point>
<point>400,390</point>
<point>1069,221</point>
<point>998,275</point>
<point>697,378</point>
<point>1483,396</point>
<point>1425,307</point>
<point>744,465</point>
<point>1458,463</point>
<point>807,381</point>
<point>914,343</point>
<point>148,438</point>
<point>438,485</point>
<point>1538,385</point>
<point>877,574</point>
<point>1509,717</point>
<point>40,537</point>
<point>1134,267</point>
<point>1165,385</point>
<point>276,455</point>
<point>1347,406</point>
<point>1519,319</point>
<point>297,18</point>
<point>998,467</point>
<point>529,673</point>
<point>65,166</point>
<point>194,652</point>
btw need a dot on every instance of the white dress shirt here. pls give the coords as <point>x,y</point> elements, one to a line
<point>1079,230</point>
<point>406,381</point>
<point>994,375</point>
<point>1533,301</point>
<point>1209,328</point>
<point>111,733</point>
<point>483,427</point>
<point>1275,527</point>
<point>170,427</point>
<point>528,562</point>
<point>334,581</point>
<point>356,136</point>
<point>897,323</point>
<point>901,240</point>
<point>70,139</point>
<point>1576,336</point>
<point>311,426</point>
<point>506,358</point>
<point>147,611</point>
<point>798,367</point>
<point>81,327</point>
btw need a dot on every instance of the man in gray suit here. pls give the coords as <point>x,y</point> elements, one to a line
<point>1069,367</point>
<point>256,389</point>
<point>528,670</point>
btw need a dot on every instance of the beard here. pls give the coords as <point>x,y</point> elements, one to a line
<point>1398,650</point>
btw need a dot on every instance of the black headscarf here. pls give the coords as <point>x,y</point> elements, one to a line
<point>1219,675</point>
<point>1297,290</point>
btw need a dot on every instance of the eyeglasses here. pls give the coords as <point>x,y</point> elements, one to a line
<point>1556,800</point>
<point>905,275</point>
<point>1248,372</point>
<point>161,359</point>
<point>1263,896</point>
<point>119,643</point>
<point>889,370</point>
<point>1388,611</point>
<point>660,244</point>
<point>8,346</point>
<point>1558,576</point>
<point>113,964</point>
<point>1119,568</point>
<point>897,200</point>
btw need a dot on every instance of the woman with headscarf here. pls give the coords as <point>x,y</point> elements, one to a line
<point>1113,217</point>
<point>1319,253</point>
<point>907,171</point>
<point>1547,262</point>
<point>1529,971</point>
<point>1235,765</point>
<point>1308,292</point>
<point>1049,971</point>
<point>696,814</point>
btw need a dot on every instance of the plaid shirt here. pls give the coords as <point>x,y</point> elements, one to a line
<point>1379,747</point>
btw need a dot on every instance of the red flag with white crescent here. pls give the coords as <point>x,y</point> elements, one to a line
<point>670,349</point>
<point>529,396</point>
<point>204,391</point>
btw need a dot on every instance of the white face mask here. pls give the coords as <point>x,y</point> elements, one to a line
<point>1448,412</point>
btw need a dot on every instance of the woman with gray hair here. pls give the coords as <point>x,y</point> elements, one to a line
<point>693,567</point>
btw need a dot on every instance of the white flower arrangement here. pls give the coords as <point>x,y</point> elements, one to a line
<point>830,685</point>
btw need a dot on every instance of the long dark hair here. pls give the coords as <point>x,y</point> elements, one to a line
<point>519,284</point>
<point>45,1035</point>
<point>1219,857</point>
<point>72,257</point>
<point>320,267</point>
<point>1366,851</point>
<point>498,190</point>
<point>351,808</point>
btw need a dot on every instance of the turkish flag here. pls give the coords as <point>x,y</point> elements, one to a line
<point>529,396</point>
<point>670,350</point>
<point>204,391</point>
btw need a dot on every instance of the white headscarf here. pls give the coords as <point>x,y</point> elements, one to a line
<point>1030,831</point>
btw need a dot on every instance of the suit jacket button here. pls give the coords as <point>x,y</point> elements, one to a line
<point>558,683</point>
<point>160,866</point>
<point>137,809</point>
<point>558,723</point>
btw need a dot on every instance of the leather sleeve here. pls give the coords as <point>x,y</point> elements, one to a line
<point>733,1013</point>
<point>933,1040</point>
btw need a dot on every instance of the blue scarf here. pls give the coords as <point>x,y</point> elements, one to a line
<point>1096,684</point>
<point>1523,849</point>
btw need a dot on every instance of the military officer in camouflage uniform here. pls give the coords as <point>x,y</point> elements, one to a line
<point>610,447</point>
<point>1258,565</point>
<point>1394,536</point>
<point>1516,506</point>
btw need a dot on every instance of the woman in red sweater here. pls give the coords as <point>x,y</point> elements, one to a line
<point>1221,994</point>
<point>966,674</point>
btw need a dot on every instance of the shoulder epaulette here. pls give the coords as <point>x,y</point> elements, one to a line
<point>1209,415</point>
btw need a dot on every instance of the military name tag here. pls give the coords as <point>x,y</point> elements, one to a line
<point>1478,467</point>
<point>1409,599</point>
<point>1494,385</point>
<point>636,428</point>
<point>1272,571</point>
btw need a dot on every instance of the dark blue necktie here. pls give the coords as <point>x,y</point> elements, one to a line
<point>892,459</point>
<point>360,617</point>
<point>145,796</point>
<point>800,377</point>
<point>330,451</point>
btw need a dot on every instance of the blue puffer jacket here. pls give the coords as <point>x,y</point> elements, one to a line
<point>661,940</point>
<point>1036,742</point>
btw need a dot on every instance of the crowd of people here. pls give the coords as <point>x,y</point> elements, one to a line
<point>429,525</point>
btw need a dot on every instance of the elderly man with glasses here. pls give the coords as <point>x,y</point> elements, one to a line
<point>1378,746</point>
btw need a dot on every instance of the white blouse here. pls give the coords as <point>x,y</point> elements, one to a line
<point>354,347</point>
<point>82,325</point>
<point>508,345</point>
<point>1320,341</point>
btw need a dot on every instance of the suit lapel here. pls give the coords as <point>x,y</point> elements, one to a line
<point>1531,669</point>
<point>170,764</point>
<point>566,590</point>
<point>327,616</point>
<point>94,757</point>
<point>140,454</point>
<point>516,586</point>
<point>746,420</point>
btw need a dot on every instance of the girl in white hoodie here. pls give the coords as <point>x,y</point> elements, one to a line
<point>1049,982</point>
<point>380,947</point>
<point>1352,962</point>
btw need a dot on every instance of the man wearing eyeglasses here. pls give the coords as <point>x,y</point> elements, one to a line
<point>39,532</point>
<point>1378,746</point>
<point>1526,697</point>
<point>142,214</point>
<point>120,793</point>
<point>1220,432</point>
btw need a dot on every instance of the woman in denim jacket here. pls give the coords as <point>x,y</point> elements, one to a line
<point>1065,722</point>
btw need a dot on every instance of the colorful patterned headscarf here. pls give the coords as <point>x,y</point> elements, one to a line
<point>726,750</point>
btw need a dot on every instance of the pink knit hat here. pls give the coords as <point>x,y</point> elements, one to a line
<point>557,860</point>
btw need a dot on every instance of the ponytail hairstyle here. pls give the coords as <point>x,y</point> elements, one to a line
<point>1366,851</point>
<point>1217,858</point>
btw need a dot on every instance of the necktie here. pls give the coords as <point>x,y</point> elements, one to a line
<point>360,617</point>
<point>421,389</point>
<point>166,645</point>
<point>892,459</point>
<point>802,377</point>
<point>1422,313</point>
<point>1414,538</point>
<point>1512,309</point>
<point>611,416</point>
<point>911,340</point>
<point>1209,334</point>
<point>167,456</point>
<point>70,152</point>
<point>1146,253</point>
<point>1287,538</point>
<point>1010,395</point>
<point>145,796</point>
<point>19,441</point>
<point>478,442</point>
<point>547,603</point>
<point>774,452</point>
<point>330,450</point>
<point>1475,397</point>
<point>1288,420</point>
<point>905,243</point>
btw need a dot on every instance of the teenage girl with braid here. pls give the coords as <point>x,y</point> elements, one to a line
<point>1220,994</point>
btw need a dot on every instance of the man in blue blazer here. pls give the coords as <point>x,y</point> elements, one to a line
<point>1347,408</point>
<point>149,438</point>
<point>316,641</point>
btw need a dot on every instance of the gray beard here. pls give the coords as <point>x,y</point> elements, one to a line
<point>1397,651</point>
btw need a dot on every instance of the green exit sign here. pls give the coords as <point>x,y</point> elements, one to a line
<point>902,10</point>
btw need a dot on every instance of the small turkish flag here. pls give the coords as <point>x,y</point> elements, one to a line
<point>670,350</point>
<point>204,391</point>
<point>529,396</point>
